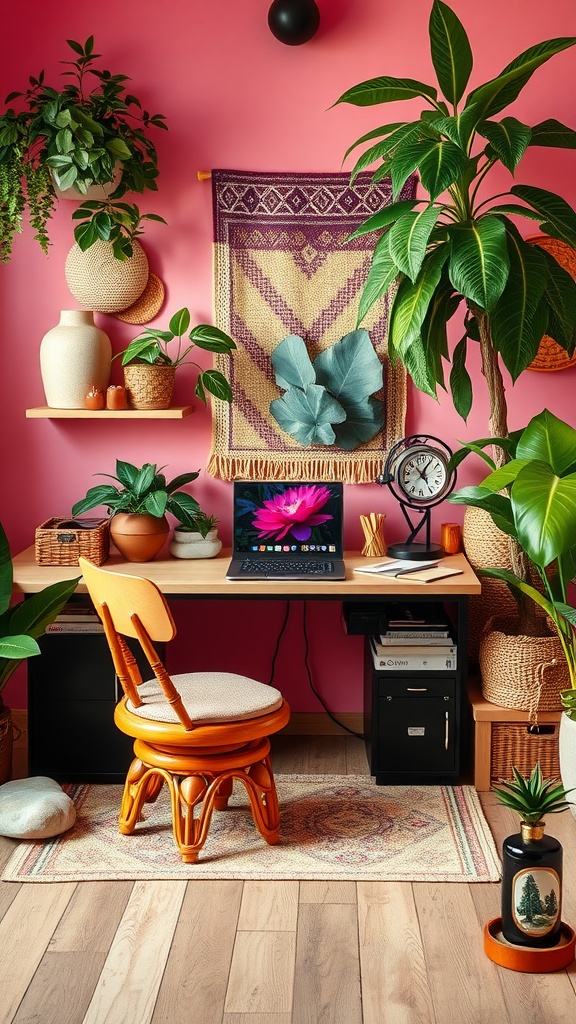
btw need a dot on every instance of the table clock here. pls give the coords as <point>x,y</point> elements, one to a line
<point>417,471</point>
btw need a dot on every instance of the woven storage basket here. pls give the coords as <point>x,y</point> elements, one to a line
<point>62,541</point>
<point>522,672</point>
<point>149,387</point>
<point>514,746</point>
<point>98,281</point>
<point>486,547</point>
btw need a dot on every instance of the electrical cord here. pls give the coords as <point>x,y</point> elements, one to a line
<point>358,735</point>
<point>278,640</point>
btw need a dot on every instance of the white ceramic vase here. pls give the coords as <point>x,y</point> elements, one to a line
<point>74,356</point>
<point>567,754</point>
<point>185,544</point>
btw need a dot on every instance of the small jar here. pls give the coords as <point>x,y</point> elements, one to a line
<point>94,399</point>
<point>116,397</point>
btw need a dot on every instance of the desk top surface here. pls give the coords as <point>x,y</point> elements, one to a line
<point>205,577</point>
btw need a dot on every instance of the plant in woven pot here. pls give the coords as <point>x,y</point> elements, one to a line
<point>139,526</point>
<point>532,498</point>
<point>91,132</point>
<point>150,369</point>
<point>21,625</point>
<point>455,248</point>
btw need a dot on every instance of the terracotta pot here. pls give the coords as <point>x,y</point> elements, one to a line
<point>6,744</point>
<point>137,536</point>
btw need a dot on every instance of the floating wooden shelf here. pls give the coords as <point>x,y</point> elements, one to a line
<point>179,412</point>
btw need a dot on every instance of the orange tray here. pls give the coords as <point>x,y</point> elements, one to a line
<point>525,958</point>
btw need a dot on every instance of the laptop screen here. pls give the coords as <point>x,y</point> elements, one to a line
<point>274,518</point>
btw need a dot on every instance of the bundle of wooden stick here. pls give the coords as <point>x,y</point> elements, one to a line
<point>373,527</point>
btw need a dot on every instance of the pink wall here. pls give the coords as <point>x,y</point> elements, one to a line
<point>236,97</point>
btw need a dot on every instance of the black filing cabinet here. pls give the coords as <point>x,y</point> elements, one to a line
<point>73,690</point>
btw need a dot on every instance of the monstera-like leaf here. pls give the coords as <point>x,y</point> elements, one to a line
<point>330,401</point>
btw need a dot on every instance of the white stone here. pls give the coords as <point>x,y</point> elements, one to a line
<point>34,808</point>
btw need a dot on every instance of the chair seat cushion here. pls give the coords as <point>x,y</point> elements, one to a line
<point>209,698</point>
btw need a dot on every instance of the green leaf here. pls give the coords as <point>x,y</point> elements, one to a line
<point>180,322</point>
<point>409,237</point>
<point>376,133</point>
<point>211,338</point>
<point>501,91</point>
<point>18,647</point>
<point>388,215</point>
<point>308,415</point>
<point>382,274</point>
<point>518,320</point>
<point>6,575</point>
<point>460,382</point>
<point>184,507</point>
<point>509,139</point>
<point>451,53</point>
<point>216,383</point>
<point>439,162</point>
<point>292,364</point>
<point>497,506</point>
<point>479,262</point>
<point>421,366</point>
<point>118,148</point>
<point>383,149</point>
<point>560,295</point>
<point>386,89</point>
<point>155,503</point>
<point>350,369</point>
<point>66,179</point>
<point>102,494</point>
<point>560,217</point>
<point>413,300</point>
<point>553,133</point>
<point>180,481</point>
<point>363,421</point>
<point>551,440</point>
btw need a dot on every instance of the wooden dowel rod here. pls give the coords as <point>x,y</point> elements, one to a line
<point>203,175</point>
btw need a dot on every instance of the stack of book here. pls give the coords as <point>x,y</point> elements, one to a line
<point>416,639</point>
<point>76,618</point>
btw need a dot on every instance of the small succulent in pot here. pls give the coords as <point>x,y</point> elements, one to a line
<point>152,347</point>
<point>202,524</point>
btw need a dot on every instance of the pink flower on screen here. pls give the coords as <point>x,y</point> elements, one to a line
<point>295,511</point>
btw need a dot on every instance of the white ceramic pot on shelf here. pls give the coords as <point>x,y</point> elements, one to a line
<point>74,356</point>
<point>187,544</point>
<point>567,754</point>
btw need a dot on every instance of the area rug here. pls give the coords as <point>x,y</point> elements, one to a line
<point>332,827</point>
<point>281,267</point>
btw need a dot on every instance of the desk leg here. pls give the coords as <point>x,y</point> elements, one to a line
<point>482,755</point>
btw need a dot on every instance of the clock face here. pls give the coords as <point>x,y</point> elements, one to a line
<point>422,474</point>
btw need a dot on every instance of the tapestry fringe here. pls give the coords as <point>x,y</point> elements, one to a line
<point>228,467</point>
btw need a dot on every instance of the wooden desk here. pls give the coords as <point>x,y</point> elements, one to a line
<point>205,577</point>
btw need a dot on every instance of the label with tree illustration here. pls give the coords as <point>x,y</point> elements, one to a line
<point>535,894</point>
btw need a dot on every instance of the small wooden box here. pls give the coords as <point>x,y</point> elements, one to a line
<point>62,541</point>
<point>502,740</point>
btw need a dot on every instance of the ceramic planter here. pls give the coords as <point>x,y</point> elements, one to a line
<point>74,358</point>
<point>187,544</point>
<point>567,754</point>
<point>138,537</point>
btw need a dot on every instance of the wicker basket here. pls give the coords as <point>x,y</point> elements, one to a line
<point>148,386</point>
<point>522,672</point>
<point>62,541</point>
<point>486,547</point>
<point>513,745</point>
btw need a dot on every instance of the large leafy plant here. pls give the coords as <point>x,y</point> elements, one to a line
<point>454,247</point>
<point>74,136</point>
<point>152,347</point>
<point>532,498</point>
<point>329,401</point>
<point>23,623</point>
<point>143,491</point>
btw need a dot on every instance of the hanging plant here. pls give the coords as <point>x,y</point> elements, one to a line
<point>329,401</point>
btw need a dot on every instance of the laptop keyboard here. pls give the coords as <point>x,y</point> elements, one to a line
<point>288,567</point>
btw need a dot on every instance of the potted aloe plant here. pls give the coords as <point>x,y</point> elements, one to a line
<point>21,625</point>
<point>150,367</point>
<point>138,507</point>
<point>90,132</point>
<point>532,499</point>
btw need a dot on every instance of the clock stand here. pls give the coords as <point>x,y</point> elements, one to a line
<point>416,551</point>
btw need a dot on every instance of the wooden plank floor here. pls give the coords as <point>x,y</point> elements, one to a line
<point>209,952</point>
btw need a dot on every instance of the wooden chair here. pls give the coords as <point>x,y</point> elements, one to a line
<point>197,732</point>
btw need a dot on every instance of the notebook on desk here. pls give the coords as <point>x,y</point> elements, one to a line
<point>287,531</point>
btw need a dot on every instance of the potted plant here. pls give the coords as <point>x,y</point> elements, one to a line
<point>198,541</point>
<point>138,507</point>
<point>20,627</point>
<point>532,499</point>
<point>91,132</point>
<point>455,248</point>
<point>149,369</point>
<point>532,862</point>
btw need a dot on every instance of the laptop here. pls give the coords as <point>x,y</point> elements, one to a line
<point>287,531</point>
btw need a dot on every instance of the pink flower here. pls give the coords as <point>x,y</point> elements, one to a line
<point>295,511</point>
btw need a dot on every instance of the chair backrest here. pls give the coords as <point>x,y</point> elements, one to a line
<point>134,606</point>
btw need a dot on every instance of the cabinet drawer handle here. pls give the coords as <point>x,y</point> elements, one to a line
<point>417,689</point>
<point>447,733</point>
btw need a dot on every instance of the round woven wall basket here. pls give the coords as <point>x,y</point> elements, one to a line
<point>522,672</point>
<point>100,282</point>
<point>149,387</point>
<point>486,547</point>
